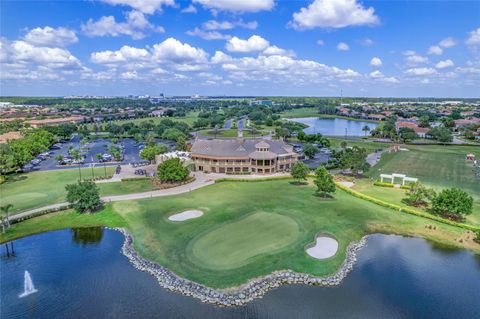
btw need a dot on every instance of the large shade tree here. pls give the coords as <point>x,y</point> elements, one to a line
<point>172,171</point>
<point>453,203</point>
<point>324,182</point>
<point>84,196</point>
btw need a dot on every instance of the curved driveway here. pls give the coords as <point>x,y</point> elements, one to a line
<point>201,180</point>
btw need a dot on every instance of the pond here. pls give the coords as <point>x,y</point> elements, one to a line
<point>81,273</point>
<point>334,126</point>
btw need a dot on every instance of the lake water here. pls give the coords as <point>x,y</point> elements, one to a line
<point>82,274</point>
<point>334,127</point>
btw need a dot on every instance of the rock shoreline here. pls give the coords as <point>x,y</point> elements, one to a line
<point>237,296</point>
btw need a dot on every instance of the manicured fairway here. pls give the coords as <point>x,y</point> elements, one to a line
<point>210,250</point>
<point>37,189</point>
<point>434,165</point>
<point>232,245</point>
<point>248,229</point>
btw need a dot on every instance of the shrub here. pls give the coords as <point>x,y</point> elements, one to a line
<point>383,184</point>
<point>172,170</point>
<point>404,209</point>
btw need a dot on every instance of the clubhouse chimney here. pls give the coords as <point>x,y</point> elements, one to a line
<point>240,136</point>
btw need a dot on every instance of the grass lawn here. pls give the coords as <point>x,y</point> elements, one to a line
<point>189,119</point>
<point>43,188</point>
<point>127,187</point>
<point>300,112</point>
<point>368,145</point>
<point>436,166</point>
<point>247,230</point>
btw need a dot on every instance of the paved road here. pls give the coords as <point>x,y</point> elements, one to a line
<point>201,180</point>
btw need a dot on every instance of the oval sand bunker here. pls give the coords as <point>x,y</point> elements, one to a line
<point>188,214</point>
<point>325,247</point>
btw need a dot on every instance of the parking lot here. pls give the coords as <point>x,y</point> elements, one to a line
<point>131,150</point>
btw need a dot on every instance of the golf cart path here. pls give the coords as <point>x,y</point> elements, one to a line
<point>201,180</point>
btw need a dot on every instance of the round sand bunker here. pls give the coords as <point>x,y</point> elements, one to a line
<point>188,214</point>
<point>325,247</point>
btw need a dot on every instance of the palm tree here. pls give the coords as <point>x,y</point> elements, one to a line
<point>366,129</point>
<point>100,157</point>
<point>5,210</point>
<point>77,157</point>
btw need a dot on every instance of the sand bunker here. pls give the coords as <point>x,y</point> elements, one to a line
<point>325,247</point>
<point>188,214</point>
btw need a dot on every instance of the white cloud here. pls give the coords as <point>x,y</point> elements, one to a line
<point>435,49</point>
<point>24,52</point>
<point>416,59</point>
<point>145,6</point>
<point>253,44</point>
<point>126,53</point>
<point>274,50</point>
<point>447,43</point>
<point>135,25</point>
<point>51,37</point>
<point>421,71</point>
<point>333,14</point>
<point>342,46</point>
<point>220,57</point>
<point>227,25</point>
<point>473,37</point>
<point>237,5</point>
<point>376,74</point>
<point>173,50</point>
<point>208,35</point>
<point>367,42</point>
<point>190,9</point>
<point>409,52</point>
<point>321,42</point>
<point>169,54</point>
<point>444,64</point>
<point>277,69</point>
<point>376,62</point>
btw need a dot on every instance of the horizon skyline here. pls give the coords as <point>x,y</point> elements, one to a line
<point>254,48</point>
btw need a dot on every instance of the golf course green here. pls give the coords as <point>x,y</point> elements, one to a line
<point>257,234</point>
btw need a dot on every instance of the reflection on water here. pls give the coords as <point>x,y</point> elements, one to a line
<point>395,277</point>
<point>335,126</point>
<point>87,235</point>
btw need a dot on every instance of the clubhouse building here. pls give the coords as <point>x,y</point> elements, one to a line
<point>242,156</point>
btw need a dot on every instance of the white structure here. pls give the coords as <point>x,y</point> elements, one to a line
<point>404,178</point>
<point>183,156</point>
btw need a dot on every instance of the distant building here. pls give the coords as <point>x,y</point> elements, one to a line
<point>237,156</point>
<point>465,122</point>
<point>262,102</point>
<point>420,131</point>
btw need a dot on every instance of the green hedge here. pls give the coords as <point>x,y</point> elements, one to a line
<point>383,184</point>
<point>131,179</point>
<point>405,209</point>
<point>249,180</point>
<point>40,213</point>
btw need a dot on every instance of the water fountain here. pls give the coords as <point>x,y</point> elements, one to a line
<point>28,287</point>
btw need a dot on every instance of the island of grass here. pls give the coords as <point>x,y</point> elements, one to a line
<point>248,229</point>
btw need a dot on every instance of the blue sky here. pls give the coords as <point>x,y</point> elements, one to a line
<point>246,47</point>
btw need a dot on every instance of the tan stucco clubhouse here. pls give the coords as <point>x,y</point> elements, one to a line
<point>242,156</point>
